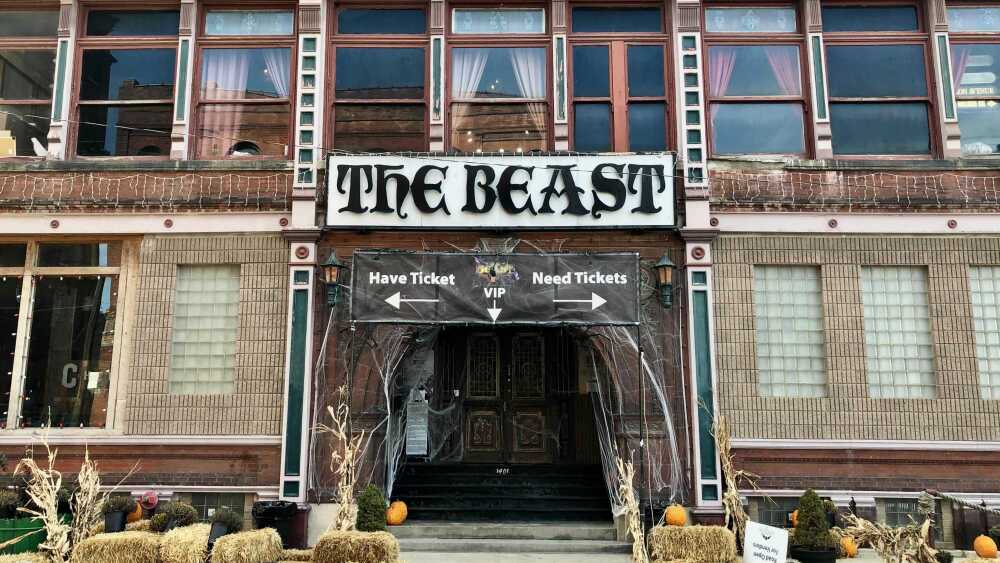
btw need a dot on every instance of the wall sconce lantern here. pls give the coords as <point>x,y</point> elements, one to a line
<point>333,271</point>
<point>665,280</point>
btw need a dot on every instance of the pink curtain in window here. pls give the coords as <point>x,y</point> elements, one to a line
<point>959,62</point>
<point>784,62</point>
<point>721,62</point>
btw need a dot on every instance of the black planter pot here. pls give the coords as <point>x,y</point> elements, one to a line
<point>114,522</point>
<point>218,530</point>
<point>813,556</point>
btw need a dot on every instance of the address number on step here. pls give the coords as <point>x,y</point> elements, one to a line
<point>503,471</point>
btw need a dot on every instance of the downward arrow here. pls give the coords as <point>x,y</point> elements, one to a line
<point>494,312</point>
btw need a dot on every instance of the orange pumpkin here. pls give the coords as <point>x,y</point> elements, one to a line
<point>676,515</point>
<point>849,547</point>
<point>795,518</point>
<point>135,515</point>
<point>396,513</point>
<point>985,547</point>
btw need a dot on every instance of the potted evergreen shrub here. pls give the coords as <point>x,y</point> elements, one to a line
<point>62,500</point>
<point>173,515</point>
<point>116,508</point>
<point>371,510</point>
<point>9,501</point>
<point>224,521</point>
<point>811,541</point>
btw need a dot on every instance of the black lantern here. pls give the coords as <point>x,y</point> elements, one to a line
<point>665,280</point>
<point>333,270</point>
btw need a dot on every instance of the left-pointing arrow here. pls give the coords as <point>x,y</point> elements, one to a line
<point>395,299</point>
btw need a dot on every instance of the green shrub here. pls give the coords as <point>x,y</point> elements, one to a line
<point>9,501</point>
<point>813,529</point>
<point>232,521</point>
<point>173,515</point>
<point>63,496</point>
<point>119,503</point>
<point>371,510</point>
<point>944,557</point>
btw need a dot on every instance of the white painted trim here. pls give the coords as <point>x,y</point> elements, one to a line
<point>303,476</point>
<point>867,498</point>
<point>139,223</point>
<point>77,437</point>
<point>812,75</point>
<point>167,491</point>
<point>746,443</point>
<point>696,434</point>
<point>849,223</point>
<point>939,72</point>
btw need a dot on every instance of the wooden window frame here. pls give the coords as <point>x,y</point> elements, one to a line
<point>619,98</point>
<point>125,42</point>
<point>15,43</point>
<point>961,38</point>
<point>363,40</point>
<point>498,40</point>
<point>763,39</point>
<point>204,41</point>
<point>922,37</point>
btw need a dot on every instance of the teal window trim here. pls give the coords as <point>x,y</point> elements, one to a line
<point>296,382</point>
<point>819,79</point>
<point>182,74</point>
<point>703,381</point>
<point>437,76</point>
<point>560,58</point>
<point>946,84</point>
<point>60,86</point>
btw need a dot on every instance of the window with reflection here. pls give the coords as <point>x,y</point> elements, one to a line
<point>243,97</point>
<point>382,21</point>
<point>975,68</point>
<point>126,83</point>
<point>499,99</point>
<point>756,98</point>
<point>890,115</point>
<point>27,70</point>
<point>491,21</point>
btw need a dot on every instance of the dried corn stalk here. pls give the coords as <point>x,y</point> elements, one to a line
<point>904,544</point>
<point>344,461</point>
<point>87,502</point>
<point>43,488</point>
<point>732,503</point>
<point>626,491</point>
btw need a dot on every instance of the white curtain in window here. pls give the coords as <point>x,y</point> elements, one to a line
<point>278,63</point>
<point>984,282</point>
<point>467,66</point>
<point>529,71</point>
<point>224,74</point>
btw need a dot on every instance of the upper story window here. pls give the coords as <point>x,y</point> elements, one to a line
<point>243,98</point>
<point>500,20</point>
<point>975,68</point>
<point>126,83</point>
<point>880,102</point>
<point>27,69</point>
<point>756,85</point>
<point>619,87</point>
<point>379,94</point>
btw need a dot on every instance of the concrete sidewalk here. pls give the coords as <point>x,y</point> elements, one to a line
<point>436,557</point>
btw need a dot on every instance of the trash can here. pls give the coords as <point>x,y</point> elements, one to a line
<point>277,514</point>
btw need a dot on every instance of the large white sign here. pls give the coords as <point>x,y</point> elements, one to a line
<point>764,544</point>
<point>500,192</point>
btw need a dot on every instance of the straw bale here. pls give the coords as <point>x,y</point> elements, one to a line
<point>123,547</point>
<point>297,555</point>
<point>255,546</point>
<point>356,547</point>
<point>188,544</point>
<point>24,558</point>
<point>697,544</point>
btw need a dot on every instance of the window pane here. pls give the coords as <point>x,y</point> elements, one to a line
<point>379,128</point>
<point>899,68</point>
<point>128,74</point>
<point>129,130</point>
<point>870,18</point>
<point>29,24</point>
<point>979,121</point>
<point>647,126</point>
<point>984,282</point>
<point>590,71</point>
<point>750,20</point>
<point>757,129</point>
<point>243,130</point>
<point>69,357</point>
<point>203,333</point>
<point>645,70</point>
<point>509,128</point>
<point>476,20</point>
<point>79,255</point>
<point>380,73</point>
<point>592,127</point>
<point>12,255</point>
<point>890,128</point>
<point>973,19</point>
<point>374,21</point>
<point>617,20</point>
<point>10,303</point>
<point>975,69</point>
<point>249,22</point>
<point>898,345</point>
<point>498,72</point>
<point>21,127</point>
<point>744,70</point>
<point>26,75</point>
<point>235,74</point>
<point>138,23</point>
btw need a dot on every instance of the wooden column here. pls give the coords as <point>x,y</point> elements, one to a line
<point>560,76</point>
<point>180,144</point>
<point>437,111</point>
<point>947,114</point>
<point>816,54</point>
<point>63,82</point>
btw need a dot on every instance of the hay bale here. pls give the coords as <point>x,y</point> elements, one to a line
<point>185,545</point>
<point>356,547</point>
<point>296,555</point>
<point>255,546</point>
<point>123,547</point>
<point>24,558</point>
<point>138,526</point>
<point>697,544</point>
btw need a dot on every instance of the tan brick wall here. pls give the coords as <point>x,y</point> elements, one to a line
<point>958,413</point>
<point>255,406</point>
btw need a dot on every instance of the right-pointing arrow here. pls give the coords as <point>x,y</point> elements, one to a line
<point>595,301</point>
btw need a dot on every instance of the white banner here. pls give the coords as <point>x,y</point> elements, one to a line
<point>500,192</point>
